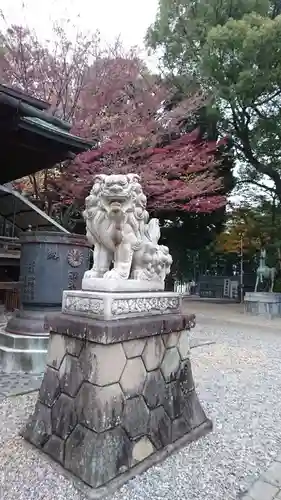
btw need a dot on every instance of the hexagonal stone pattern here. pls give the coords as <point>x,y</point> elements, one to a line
<point>193,411</point>
<point>153,352</point>
<point>135,417</point>
<point>99,408</point>
<point>73,346</point>
<point>55,448</point>
<point>97,458</point>
<point>173,401</point>
<point>170,364</point>
<point>133,377</point>
<point>186,377</point>
<point>154,389</point>
<point>39,426</point>
<point>171,339</point>
<point>56,350</point>
<point>184,344</point>
<point>160,428</point>
<point>71,376</point>
<point>179,427</point>
<point>142,449</point>
<point>134,348</point>
<point>64,417</point>
<point>102,364</point>
<point>50,387</point>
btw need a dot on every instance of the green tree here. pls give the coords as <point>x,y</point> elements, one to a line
<point>231,48</point>
<point>181,29</point>
<point>189,235</point>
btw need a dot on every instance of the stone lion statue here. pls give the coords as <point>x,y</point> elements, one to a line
<point>125,241</point>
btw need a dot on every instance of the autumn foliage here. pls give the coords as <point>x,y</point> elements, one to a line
<point>177,176</point>
<point>110,97</point>
<point>252,225</point>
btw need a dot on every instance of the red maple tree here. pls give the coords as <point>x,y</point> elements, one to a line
<point>111,97</point>
<point>179,176</point>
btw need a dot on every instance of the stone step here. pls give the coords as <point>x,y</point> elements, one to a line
<point>23,341</point>
<point>22,353</point>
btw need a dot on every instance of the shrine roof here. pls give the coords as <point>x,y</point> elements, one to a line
<point>32,139</point>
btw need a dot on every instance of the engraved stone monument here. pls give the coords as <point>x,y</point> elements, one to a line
<point>118,393</point>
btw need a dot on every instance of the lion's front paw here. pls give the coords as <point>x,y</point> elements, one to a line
<point>92,273</point>
<point>113,274</point>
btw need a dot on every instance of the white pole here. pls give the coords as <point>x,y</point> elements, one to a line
<point>241,269</point>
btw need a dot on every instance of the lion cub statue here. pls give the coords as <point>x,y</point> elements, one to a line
<point>125,241</point>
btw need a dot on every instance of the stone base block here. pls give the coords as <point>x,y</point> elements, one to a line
<point>24,341</point>
<point>30,321</point>
<point>22,353</point>
<point>267,304</point>
<point>113,285</point>
<point>110,306</point>
<point>111,405</point>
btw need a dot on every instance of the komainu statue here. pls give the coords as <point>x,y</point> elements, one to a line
<point>125,241</point>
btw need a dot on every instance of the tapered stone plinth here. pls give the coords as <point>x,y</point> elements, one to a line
<point>118,393</point>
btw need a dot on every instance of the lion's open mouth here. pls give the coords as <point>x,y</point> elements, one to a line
<point>116,204</point>
<point>116,200</point>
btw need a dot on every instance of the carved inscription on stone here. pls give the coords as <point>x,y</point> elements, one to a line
<point>52,254</point>
<point>73,277</point>
<point>31,267</point>
<point>29,282</point>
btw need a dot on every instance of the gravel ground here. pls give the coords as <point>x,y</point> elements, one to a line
<point>239,382</point>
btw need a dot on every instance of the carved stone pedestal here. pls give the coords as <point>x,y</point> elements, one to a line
<point>118,394</point>
<point>113,305</point>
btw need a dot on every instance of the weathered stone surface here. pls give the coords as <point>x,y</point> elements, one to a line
<point>133,377</point>
<point>186,377</point>
<point>262,490</point>
<point>153,352</point>
<point>73,346</point>
<point>55,448</point>
<point>59,345</point>
<point>180,427</point>
<point>100,408</point>
<point>135,417</point>
<point>184,344</point>
<point>193,411</point>
<point>142,449</point>
<point>102,364</point>
<point>111,332</point>
<point>171,339</point>
<point>50,387</point>
<point>134,348</point>
<point>39,426</point>
<point>173,401</point>
<point>71,376</point>
<point>154,389</point>
<point>160,427</point>
<point>56,350</point>
<point>64,417</point>
<point>97,458</point>
<point>170,364</point>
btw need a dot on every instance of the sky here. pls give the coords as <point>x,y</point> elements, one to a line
<point>128,18</point>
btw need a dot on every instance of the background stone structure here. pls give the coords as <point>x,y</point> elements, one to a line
<point>115,394</point>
